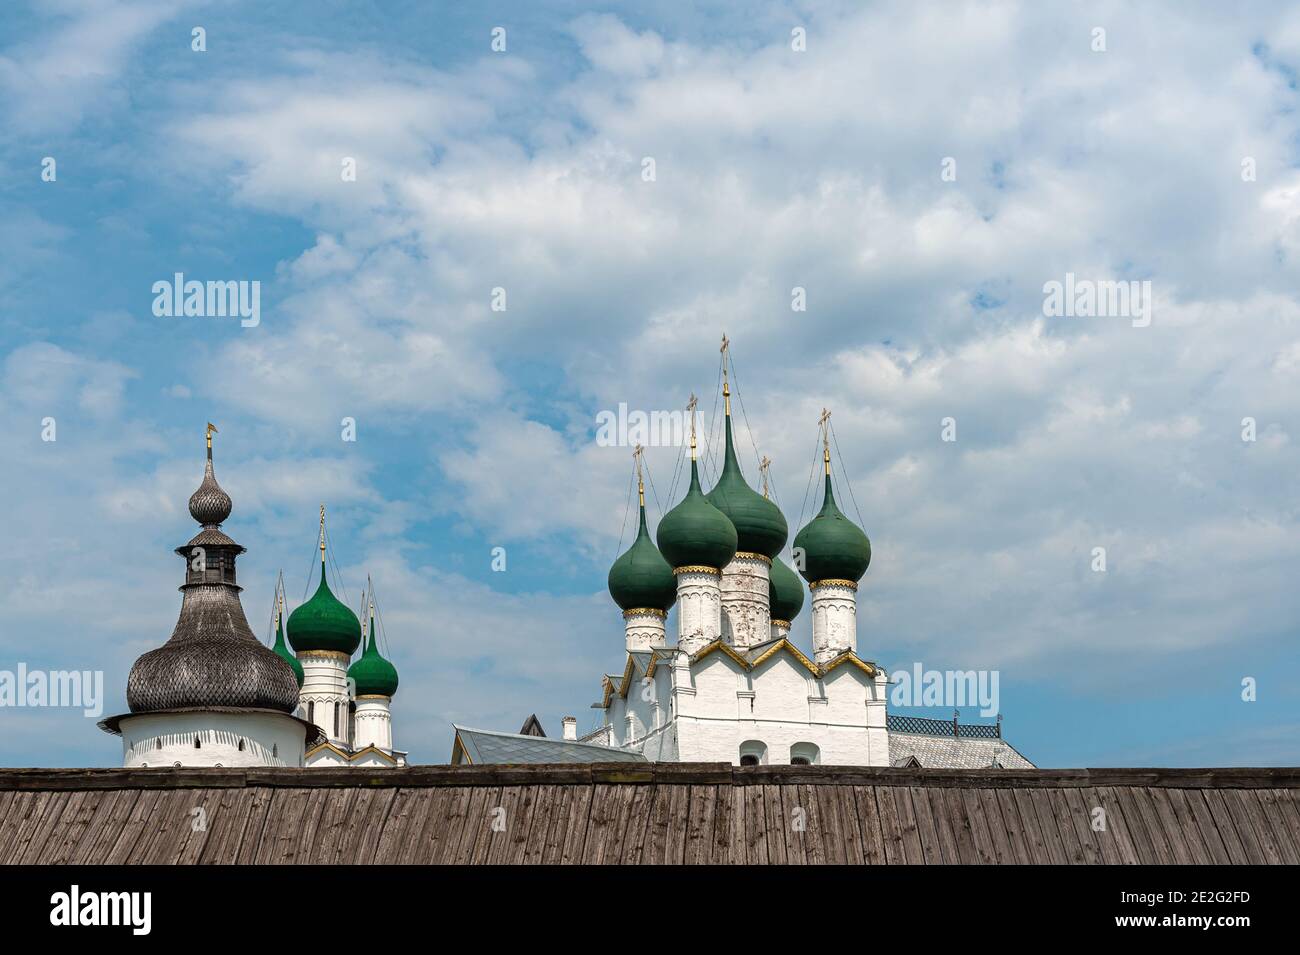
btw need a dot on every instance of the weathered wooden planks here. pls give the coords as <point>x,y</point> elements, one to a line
<point>651,814</point>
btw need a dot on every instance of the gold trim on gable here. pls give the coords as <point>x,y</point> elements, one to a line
<point>724,647</point>
<point>777,647</point>
<point>325,745</point>
<point>372,748</point>
<point>850,657</point>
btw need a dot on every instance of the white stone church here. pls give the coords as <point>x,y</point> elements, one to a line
<point>732,687</point>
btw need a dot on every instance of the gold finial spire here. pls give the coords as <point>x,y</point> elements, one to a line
<point>322,532</point>
<point>824,422</point>
<point>763,465</point>
<point>210,431</point>
<point>640,484</point>
<point>690,406</point>
<point>726,386</point>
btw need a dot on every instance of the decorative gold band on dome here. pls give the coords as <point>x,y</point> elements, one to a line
<point>645,612</point>
<point>781,623</point>
<point>834,582</point>
<point>751,555</point>
<point>324,655</point>
<point>697,569</point>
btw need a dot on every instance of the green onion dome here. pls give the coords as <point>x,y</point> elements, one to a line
<point>641,578</point>
<point>324,622</point>
<point>784,591</point>
<point>834,548</point>
<point>695,533</point>
<point>760,526</point>
<point>372,674</point>
<point>283,650</point>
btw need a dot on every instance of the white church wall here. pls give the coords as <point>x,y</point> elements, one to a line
<point>167,739</point>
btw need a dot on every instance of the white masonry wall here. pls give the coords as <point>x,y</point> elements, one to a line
<point>325,688</point>
<point>167,739</point>
<point>720,709</point>
<point>699,608</point>
<point>746,613</point>
<point>374,723</point>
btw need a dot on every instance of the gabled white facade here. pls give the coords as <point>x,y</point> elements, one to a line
<point>734,689</point>
<point>770,703</point>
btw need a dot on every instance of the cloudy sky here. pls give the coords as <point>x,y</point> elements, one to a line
<point>1172,156</point>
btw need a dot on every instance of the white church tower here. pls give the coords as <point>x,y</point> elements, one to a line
<point>324,634</point>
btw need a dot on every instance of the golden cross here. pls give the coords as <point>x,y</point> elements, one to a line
<point>640,484</point>
<point>322,532</point>
<point>763,465</point>
<point>690,406</point>
<point>824,422</point>
<point>211,430</point>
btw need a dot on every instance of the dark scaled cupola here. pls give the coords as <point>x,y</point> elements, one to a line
<point>833,547</point>
<point>760,526</point>
<point>641,579</point>
<point>212,658</point>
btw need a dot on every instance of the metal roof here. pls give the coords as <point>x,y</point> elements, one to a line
<point>489,747</point>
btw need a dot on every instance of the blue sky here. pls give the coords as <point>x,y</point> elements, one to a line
<point>774,169</point>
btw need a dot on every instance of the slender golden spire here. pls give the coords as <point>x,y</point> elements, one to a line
<point>726,387</point>
<point>762,468</point>
<point>211,429</point>
<point>824,422</point>
<point>690,406</point>
<point>640,484</point>
<point>322,533</point>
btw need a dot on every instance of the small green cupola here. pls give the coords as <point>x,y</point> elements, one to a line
<point>372,675</point>
<point>760,526</point>
<point>641,579</point>
<point>784,591</point>
<point>281,647</point>
<point>324,622</point>
<point>695,533</point>
<point>834,548</point>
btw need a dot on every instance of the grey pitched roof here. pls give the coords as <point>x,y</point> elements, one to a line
<point>488,747</point>
<point>951,752</point>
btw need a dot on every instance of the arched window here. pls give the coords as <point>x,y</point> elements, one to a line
<point>804,754</point>
<point>158,743</point>
<point>241,745</point>
<point>336,720</point>
<point>311,711</point>
<point>753,752</point>
<point>197,744</point>
<point>275,749</point>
